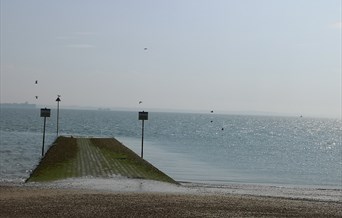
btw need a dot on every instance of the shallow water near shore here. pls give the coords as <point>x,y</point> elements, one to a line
<point>197,148</point>
<point>119,184</point>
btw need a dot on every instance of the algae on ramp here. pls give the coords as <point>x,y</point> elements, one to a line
<point>54,165</point>
<point>72,157</point>
<point>139,167</point>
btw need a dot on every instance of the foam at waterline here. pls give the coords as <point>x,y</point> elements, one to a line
<point>115,184</point>
<point>306,193</point>
<point>124,184</point>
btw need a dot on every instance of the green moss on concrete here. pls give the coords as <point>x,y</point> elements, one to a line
<point>140,168</point>
<point>95,157</point>
<point>56,161</point>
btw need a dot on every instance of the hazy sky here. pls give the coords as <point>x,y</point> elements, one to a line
<point>279,56</point>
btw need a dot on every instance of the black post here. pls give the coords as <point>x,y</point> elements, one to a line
<point>58,100</point>
<point>44,112</point>
<point>142,140</point>
<point>43,137</point>
<point>142,116</point>
<point>57,115</point>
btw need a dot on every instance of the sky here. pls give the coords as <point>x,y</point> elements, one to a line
<point>194,55</point>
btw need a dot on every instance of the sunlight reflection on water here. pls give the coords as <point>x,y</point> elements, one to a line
<point>192,147</point>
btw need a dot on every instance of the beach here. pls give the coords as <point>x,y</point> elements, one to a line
<point>142,198</point>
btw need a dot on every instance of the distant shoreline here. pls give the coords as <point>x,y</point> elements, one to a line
<point>25,105</point>
<point>163,110</point>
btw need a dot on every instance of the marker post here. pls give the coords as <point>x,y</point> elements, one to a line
<point>142,116</point>
<point>44,112</point>
<point>58,100</point>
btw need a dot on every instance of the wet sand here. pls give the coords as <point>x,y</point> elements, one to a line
<point>54,201</point>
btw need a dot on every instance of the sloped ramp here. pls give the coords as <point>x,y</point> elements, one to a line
<point>72,157</point>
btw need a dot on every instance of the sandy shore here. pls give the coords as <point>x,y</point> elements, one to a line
<point>36,200</point>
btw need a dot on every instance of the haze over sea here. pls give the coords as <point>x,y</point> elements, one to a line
<point>204,148</point>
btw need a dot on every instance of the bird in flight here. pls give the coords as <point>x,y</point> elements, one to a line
<point>140,102</point>
<point>36,82</point>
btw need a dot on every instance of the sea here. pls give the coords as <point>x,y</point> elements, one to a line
<point>191,148</point>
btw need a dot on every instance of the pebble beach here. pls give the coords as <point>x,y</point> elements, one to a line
<point>121,197</point>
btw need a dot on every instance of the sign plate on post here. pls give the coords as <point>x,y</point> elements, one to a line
<point>143,115</point>
<point>44,112</point>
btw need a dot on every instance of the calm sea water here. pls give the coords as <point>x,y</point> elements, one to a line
<point>209,148</point>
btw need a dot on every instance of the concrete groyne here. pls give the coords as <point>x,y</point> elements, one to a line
<point>71,157</point>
